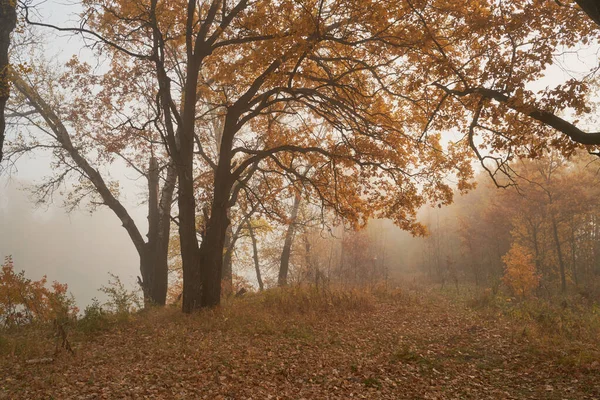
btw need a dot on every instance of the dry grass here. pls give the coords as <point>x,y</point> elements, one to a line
<point>307,300</point>
<point>299,342</point>
<point>564,327</point>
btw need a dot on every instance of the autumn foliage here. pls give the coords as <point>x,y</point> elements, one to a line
<point>221,94</point>
<point>520,274</point>
<point>24,301</point>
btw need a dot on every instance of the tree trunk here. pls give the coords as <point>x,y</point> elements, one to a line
<point>227,274</point>
<point>311,273</point>
<point>182,150</point>
<point>148,258</point>
<point>154,265</point>
<point>211,249</point>
<point>255,255</point>
<point>561,264</point>
<point>190,254</point>
<point>188,241</point>
<point>591,8</point>
<point>573,255</point>
<point>287,244</point>
<point>8,20</point>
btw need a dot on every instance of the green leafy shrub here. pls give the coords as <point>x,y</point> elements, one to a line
<point>94,318</point>
<point>121,301</point>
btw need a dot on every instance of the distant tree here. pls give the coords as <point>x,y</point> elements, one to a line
<point>520,274</point>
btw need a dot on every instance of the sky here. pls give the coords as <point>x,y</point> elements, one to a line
<point>77,248</point>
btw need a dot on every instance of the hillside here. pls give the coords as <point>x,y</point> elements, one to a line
<point>300,345</point>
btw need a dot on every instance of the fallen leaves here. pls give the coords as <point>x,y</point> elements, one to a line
<point>428,348</point>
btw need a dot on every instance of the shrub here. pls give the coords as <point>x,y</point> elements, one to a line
<point>23,301</point>
<point>94,318</point>
<point>519,274</point>
<point>121,301</point>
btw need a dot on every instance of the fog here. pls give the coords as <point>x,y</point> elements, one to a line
<point>77,248</point>
<point>80,248</point>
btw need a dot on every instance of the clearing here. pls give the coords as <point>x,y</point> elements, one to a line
<point>411,345</point>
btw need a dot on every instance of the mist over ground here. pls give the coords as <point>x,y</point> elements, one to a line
<point>81,248</point>
<point>76,248</point>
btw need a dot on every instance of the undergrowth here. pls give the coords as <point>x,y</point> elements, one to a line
<point>303,300</point>
<point>565,323</point>
<point>282,311</point>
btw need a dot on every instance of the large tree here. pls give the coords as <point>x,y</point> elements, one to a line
<point>383,80</point>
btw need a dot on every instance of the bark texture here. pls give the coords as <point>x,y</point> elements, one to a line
<point>8,20</point>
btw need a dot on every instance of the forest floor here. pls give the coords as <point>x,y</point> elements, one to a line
<point>418,345</point>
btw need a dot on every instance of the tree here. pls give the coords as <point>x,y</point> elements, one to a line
<point>284,266</point>
<point>71,150</point>
<point>259,279</point>
<point>293,70</point>
<point>8,21</point>
<point>549,214</point>
<point>380,80</point>
<point>520,274</point>
<point>499,109</point>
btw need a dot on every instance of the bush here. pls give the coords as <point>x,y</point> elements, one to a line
<point>94,318</point>
<point>121,301</point>
<point>23,301</point>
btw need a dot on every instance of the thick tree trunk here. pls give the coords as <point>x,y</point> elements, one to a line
<point>190,254</point>
<point>8,20</point>
<point>148,259</point>
<point>561,263</point>
<point>184,158</point>
<point>284,266</point>
<point>261,285</point>
<point>211,250</point>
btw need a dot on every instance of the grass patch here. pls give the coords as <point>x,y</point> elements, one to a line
<point>372,383</point>
<point>306,300</point>
<point>288,313</point>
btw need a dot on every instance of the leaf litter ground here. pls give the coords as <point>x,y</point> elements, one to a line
<point>419,347</point>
